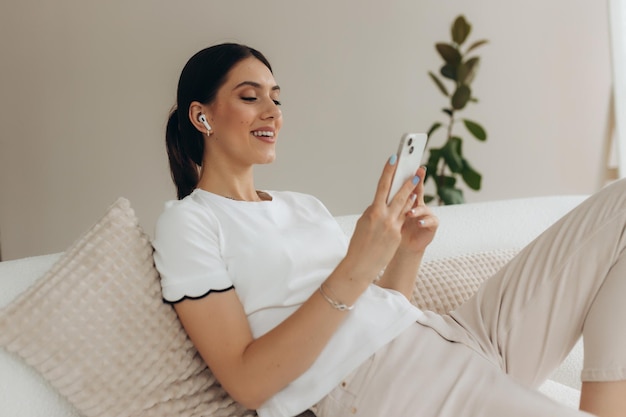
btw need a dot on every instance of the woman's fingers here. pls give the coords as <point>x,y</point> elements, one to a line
<point>378,231</point>
<point>419,190</point>
<point>384,182</point>
<point>428,222</point>
<point>409,204</point>
<point>404,196</point>
<point>424,217</point>
<point>412,186</point>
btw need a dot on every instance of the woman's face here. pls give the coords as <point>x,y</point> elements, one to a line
<point>245,116</point>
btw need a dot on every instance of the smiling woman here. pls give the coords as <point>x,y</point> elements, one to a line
<point>290,315</point>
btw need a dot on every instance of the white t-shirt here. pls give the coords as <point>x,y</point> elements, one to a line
<point>274,254</point>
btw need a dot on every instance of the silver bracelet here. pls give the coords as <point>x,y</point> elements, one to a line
<point>335,304</point>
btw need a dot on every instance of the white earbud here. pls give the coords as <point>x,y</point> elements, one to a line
<point>202,119</point>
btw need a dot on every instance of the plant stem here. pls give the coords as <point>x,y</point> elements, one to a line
<point>450,125</point>
<point>442,172</point>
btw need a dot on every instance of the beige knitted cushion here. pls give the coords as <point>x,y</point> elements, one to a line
<point>444,284</point>
<point>95,325</point>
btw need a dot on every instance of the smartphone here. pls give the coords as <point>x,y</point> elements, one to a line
<point>410,152</point>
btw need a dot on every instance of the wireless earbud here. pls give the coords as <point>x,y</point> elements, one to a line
<point>202,119</point>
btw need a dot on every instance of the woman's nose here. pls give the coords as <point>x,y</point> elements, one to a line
<point>272,110</point>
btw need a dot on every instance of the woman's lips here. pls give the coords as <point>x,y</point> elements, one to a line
<point>266,135</point>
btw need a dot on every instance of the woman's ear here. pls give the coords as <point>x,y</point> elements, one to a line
<point>198,117</point>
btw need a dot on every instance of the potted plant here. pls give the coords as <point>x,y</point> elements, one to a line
<point>447,163</point>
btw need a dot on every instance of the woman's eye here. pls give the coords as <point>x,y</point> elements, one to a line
<point>253,99</point>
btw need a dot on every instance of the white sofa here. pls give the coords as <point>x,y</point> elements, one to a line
<point>464,229</point>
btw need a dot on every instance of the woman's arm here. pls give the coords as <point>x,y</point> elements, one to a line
<point>401,272</point>
<point>253,370</point>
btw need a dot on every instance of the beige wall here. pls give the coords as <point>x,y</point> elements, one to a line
<point>86,87</point>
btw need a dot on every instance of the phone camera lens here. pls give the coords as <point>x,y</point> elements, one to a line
<point>411,149</point>
<point>410,141</point>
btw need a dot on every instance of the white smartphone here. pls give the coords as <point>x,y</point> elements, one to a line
<point>410,152</point>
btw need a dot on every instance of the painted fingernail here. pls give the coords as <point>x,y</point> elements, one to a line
<point>393,159</point>
<point>413,197</point>
<point>421,222</point>
<point>416,179</point>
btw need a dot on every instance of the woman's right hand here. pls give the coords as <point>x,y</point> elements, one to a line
<point>377,233</point>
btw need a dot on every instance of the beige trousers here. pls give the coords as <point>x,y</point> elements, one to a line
<point>487,358</point>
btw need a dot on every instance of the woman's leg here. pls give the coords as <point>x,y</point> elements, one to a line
<point>570,281</point>
<point>422,374</point>
<point>604,390</point>
<point>605,399</point>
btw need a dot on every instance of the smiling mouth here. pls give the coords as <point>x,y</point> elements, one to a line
<point>262,133</point>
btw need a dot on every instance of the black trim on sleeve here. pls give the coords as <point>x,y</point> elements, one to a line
<point>187,297</point>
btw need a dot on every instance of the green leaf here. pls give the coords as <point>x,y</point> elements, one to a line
<point>475,129</point>
<point>476,45</point>
<point>467,71</point>
<point>428,198</point>
<point>447,111</point>
<point>471,177</point>
<point>453,155</point>
<point>433,162</point>
<point>461,96</point>
<point>451,195</point>
<point>432,129</point>
<point>439,84</point>
<point>433,158</point>
<point>460,30</point>
<point>449,53</point>
<point>449,71</point>
<point>428,174</point>
<point>446,181</point>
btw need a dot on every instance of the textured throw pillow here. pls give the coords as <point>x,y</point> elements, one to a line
<point>96,327</point>
<point>444,284</point>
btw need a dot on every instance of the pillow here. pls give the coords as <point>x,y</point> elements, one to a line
<point>96,327</point>
<point>444,284</point>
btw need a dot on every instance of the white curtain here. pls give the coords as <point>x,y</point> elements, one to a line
<point>617,22</point>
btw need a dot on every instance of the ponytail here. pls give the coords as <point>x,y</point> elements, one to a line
<point>185,157</point>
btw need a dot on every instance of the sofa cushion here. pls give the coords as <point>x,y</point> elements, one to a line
<point>95,326</point>
<point>444,284</point>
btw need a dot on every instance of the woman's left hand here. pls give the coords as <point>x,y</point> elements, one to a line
<point>421,224</point>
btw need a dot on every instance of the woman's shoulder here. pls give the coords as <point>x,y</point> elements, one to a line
<point>296,197</point>
<point>303,201</point>
<point>187,212</point>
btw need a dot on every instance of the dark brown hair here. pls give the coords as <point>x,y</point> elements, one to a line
<point>200,79</point>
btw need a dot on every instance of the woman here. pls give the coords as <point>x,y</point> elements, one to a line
<point>289,315</point>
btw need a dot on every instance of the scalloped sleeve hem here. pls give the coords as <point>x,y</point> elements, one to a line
<point>196,297</point>
<point>175,291</point>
